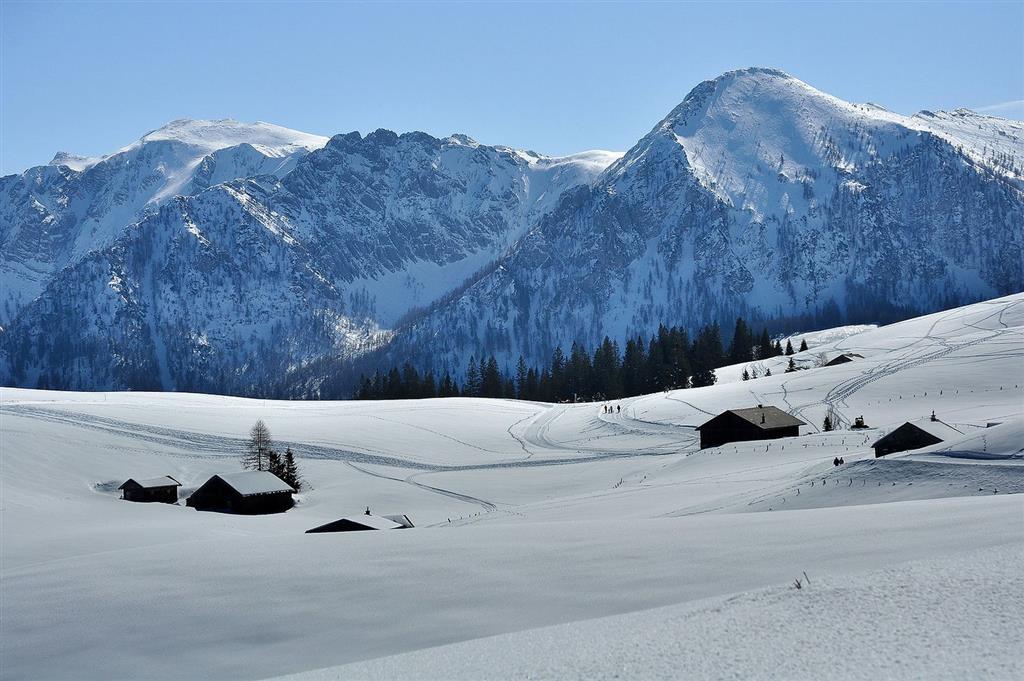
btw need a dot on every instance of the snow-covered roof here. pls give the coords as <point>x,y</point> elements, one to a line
<point>941,430</point>
<point>937,429</point>
<point>369,522</point>
<point>248,483</point>
<point>401,519</point>
<point>762,417</point>
<point>374,521</point>
<point>162,481</point>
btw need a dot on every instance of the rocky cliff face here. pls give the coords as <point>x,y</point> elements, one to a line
<point>208,257</point>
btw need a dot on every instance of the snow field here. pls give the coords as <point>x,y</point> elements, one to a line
<point>532,515</point>
<point>915,620</point>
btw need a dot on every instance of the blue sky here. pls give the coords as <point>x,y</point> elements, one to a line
<point>91,77</point>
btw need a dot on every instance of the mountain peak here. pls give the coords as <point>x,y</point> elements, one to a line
<point>211,135</point>
<point>74,161</point>
<point>754,72</point>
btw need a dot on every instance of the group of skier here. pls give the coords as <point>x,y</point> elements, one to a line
<point>838,461</point>
<point>610,409</point>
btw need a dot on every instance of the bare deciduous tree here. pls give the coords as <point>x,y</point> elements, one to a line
<point>258,449</point>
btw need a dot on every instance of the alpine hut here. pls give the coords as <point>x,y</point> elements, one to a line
<point>162,490</point>
<point>249,492</point>
<point>754,423</point>
<point>844,358</point>
<point>914,435</point>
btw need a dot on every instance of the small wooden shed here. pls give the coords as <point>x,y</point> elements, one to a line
<point>249,492</point>
<point>163,490</point>
<point>741,425</point>
<point>914,435</point>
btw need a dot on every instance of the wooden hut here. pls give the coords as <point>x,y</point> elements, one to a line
<point>844,358</point>
<point>914,435</point>
<point>741,425</point>
<point>249,492</point>
<point>163,490</point>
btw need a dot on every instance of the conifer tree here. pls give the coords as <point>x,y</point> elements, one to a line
<point>707,356</point>
<point>393,388</point>
<point>521,372</point>
<point>472,385</point>
<point>742,346</point>
<point>291,470</point>
<point>634,363</point>
<point>789,347</point>
<point>764,345</point>
<point>531,392</point>
<point>428,387</point>
<point>275,464</point>
<point>556,378</point>
<point>827,424</point>
<point>448,387</point>
<point>491,383</point>
<point>803,345</point>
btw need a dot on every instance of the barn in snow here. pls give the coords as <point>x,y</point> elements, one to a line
<point>741,425</point>
<point>249,492</point>
<point>162,490</point>
<point>914,435</point>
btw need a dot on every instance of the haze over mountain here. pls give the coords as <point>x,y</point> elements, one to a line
<point>228,257</point>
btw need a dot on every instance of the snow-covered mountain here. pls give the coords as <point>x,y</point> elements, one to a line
<point>223,257</point>
<point>237,266</point>
<point>52,216</point>
<point>757,195</point>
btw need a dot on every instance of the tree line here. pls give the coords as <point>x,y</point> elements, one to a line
<point>668,359</point>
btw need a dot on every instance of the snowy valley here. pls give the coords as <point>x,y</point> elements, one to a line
<point>551,540</point>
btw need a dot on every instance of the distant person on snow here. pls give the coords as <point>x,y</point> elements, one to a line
<point>841,461</point>
<point>618,409</point>
<point>835,461</point>
<point>367,511</point>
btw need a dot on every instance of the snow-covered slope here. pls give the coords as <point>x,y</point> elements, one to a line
<point>534,515</point>
<point>852,627</point>
<point>995,144</point>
